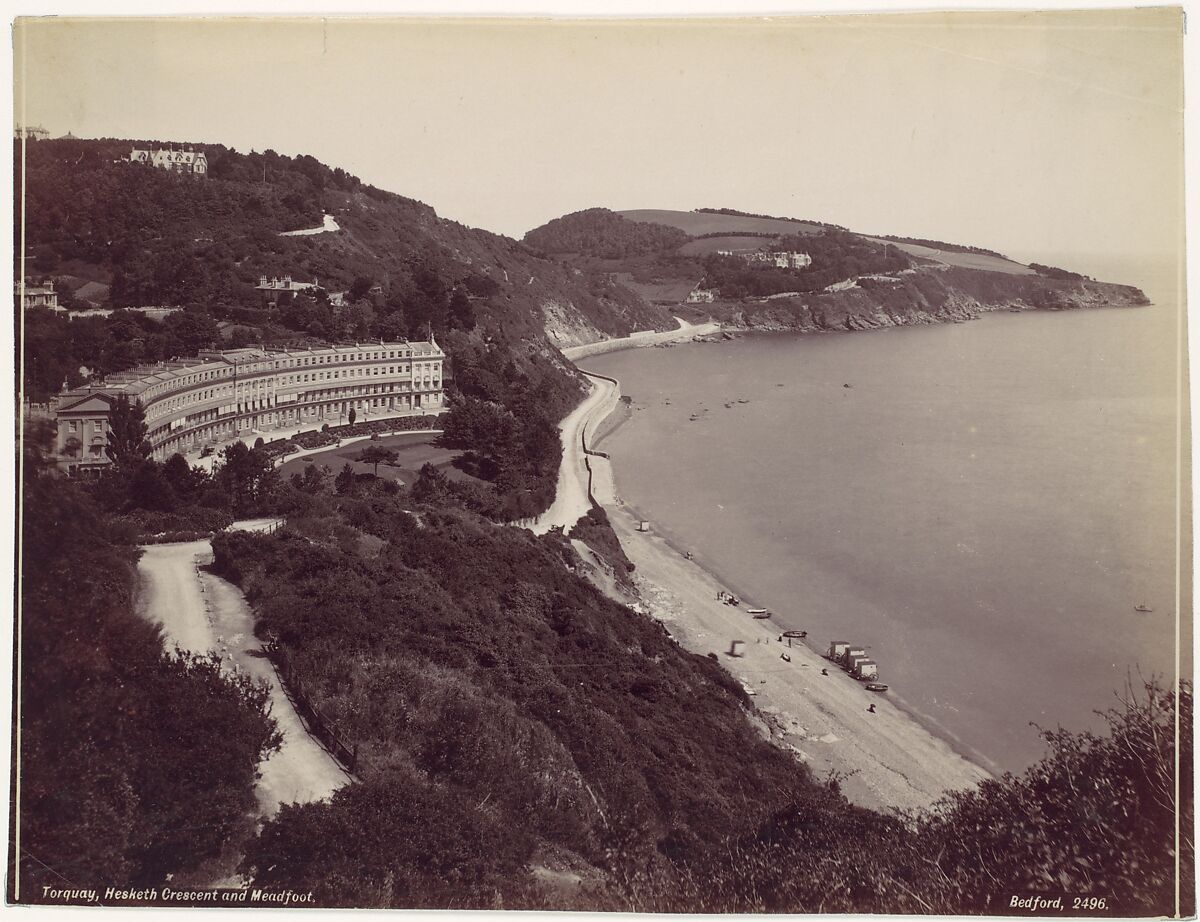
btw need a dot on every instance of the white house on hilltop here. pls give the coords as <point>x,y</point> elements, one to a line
<point>177,161</point>
<point>30,132</point>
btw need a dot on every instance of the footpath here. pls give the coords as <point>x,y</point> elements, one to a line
<point>202,613</point>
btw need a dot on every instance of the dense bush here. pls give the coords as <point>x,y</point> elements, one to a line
<point>472,657</point>
<point>595,531</point>
<point>192,520</point>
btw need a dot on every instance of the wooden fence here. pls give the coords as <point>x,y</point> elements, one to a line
<point>588,452</point>
<point>319,725</point>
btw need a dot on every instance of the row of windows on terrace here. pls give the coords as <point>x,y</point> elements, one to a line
<point>166,406</point>
<point>290,362</point>
<point>339,393</point>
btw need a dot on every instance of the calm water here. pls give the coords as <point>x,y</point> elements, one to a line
<point>982,508</point>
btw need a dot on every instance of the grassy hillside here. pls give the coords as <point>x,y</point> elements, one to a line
<point>959,257</point>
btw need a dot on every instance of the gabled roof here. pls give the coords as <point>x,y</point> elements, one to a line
<point>93,402</point>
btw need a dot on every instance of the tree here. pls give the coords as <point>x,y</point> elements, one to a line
<point>246,476</point>
<point>186,481</point>
<point>462,311</point>
<point>127,432</point>
<point>344,482</point>
<point>360,288</point>
<point>195,329</point>
<point>149,489</point>
<point>377,454</point>
<point>353,415</point>
<point>313,479</point>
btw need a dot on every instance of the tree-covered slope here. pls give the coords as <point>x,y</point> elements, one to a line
<point>161,238</point>
<point>604,233</point>
<point>525,742</point>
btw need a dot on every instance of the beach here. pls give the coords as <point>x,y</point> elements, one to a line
<point>882,758</point>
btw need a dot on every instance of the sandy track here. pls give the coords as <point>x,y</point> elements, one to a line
<point>645,338</point>
<point>570,497</point>
<point>200,613</point>
<point>571,501</point>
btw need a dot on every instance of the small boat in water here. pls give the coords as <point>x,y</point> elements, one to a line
<point>756,611</point>
<point>1142,608</point>
<point>876,687</point>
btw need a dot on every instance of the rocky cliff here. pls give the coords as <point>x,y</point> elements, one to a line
<point>928,296</point>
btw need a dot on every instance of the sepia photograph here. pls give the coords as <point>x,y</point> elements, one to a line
<point>697,463</point>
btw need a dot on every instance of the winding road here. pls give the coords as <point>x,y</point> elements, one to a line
<point>202,613</point>
<point>571,501</point>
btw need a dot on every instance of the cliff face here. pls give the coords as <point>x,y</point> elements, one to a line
<point>926,297</point>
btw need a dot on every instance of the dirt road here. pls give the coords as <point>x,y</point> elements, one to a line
<point>570,499</point>
<point>200,613</point>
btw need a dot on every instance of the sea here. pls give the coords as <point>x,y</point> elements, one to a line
<point>981,505</point>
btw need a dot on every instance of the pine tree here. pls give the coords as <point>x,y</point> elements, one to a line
<point>127,443</point>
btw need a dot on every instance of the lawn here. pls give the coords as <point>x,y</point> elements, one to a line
<point>965,260</point>
<point>667,289</point>
<point>699,222</point>
<point>708,245</point>
<point>414,450</point>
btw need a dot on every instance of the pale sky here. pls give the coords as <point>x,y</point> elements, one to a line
<point>1040,135</point>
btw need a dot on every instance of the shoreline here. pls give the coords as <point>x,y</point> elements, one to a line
<point>886,759</point>
<point>713,571</point>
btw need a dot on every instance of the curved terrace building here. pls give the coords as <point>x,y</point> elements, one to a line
<point>219,395</point>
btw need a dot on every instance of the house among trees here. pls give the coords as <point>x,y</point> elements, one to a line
<point>700,296</point>
<point>780,260</point>
<point>281,289</point>
<point>193,162</point>
<point>783,259</point>
<point>32,296</point>
<point>30,133</point>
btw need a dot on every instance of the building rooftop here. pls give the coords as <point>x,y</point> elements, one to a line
<point>137,380</point>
